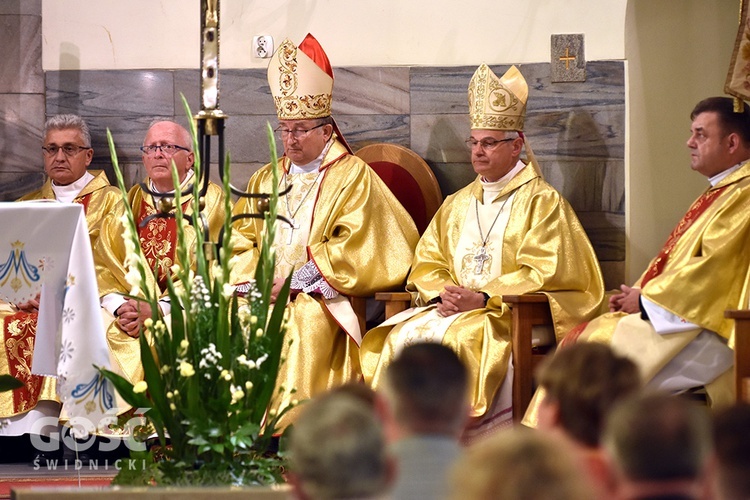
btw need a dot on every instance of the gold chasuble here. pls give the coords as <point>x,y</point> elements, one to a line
<point>701,271</point>
<point>98,198</point>
<point>158,242</point>
<point>533,242</point>
<point>358,237</point>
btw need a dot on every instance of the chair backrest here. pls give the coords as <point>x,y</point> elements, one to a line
<point>408,176</point>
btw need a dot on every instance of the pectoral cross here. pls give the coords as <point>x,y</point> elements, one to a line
<point>480,258</point>
<point>292,226</point>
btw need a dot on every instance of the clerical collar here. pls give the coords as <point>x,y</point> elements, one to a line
<point>68,193</point>
<point>491,189</point>
<point>721,175</point>
<point>160,194</point>
<point>313,165</point>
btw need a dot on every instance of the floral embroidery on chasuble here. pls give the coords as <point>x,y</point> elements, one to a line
<point>471,273</point>
<point>298,206</point>
<point>158,241</point>
<point>696,209</point>
<point>18,340</point>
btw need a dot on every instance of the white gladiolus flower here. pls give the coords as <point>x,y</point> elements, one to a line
<point>148,322</point>
<point>248,385</point>
<point>140,387</point>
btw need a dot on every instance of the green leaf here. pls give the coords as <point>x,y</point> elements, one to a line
<point>8,383</point>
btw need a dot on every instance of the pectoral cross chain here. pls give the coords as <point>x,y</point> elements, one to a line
<point>292,226</point>
<point>480,258</point>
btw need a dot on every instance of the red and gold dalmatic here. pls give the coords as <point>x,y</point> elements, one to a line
<point>701,271</point>
<point>158,240</point>
<point>98,198</point>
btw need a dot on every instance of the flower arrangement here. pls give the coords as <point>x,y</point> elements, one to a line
<point>210,374</point>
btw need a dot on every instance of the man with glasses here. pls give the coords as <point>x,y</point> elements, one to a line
<point>66,152</point>
<point>165,142</point>
<point>347,234</point>
<point>508,232</point>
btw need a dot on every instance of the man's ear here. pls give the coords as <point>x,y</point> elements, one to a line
<point>734,142</point>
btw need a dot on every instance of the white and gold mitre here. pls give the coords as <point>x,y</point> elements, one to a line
<point>301,80</point>
<point>497,103</point>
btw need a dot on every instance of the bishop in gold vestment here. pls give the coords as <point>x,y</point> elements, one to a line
<point>349,236</point>
<point>671,322</point>
<point>508,232</point>
<point>67,153</point>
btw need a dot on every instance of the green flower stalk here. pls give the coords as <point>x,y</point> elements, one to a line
<point>211,366</point>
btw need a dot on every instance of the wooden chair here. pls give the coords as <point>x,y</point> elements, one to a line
<point>415,186</point>
<point>528,311</point>
<point>741,353</point>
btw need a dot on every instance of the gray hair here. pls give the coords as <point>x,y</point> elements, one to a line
<point>64,122</point>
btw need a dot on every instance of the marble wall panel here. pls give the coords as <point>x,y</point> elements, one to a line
<point>241,91</point>
<point>590,184</point>
<point>101,93</point>
<point>21,60</point>
<point>13,185</point>
<point>25,7</point>
<point>371,91</point>
<point>21,125</point>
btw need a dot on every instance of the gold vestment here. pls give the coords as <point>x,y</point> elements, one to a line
<point>706,272</point>
<point>109,256</point>
<point>544,249</point>
<point>361,240</point>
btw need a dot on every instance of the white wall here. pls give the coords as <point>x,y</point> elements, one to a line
<point>678,53</point>
<point>117,34</point>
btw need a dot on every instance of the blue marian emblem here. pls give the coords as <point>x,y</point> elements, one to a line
<point>17,269</point>
<point>97,386</point>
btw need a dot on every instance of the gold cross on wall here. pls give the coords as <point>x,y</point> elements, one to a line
<point>567,58</point>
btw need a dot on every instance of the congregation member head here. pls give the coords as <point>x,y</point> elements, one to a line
<point>338,450</point>
<point>167,142</point>
<point>660,447</point>
<point>518,464</point>
<point>732,451</point>
<point>581,384</point>
<point>424,407</point>
<point>426,392</point>
<point>67,149</point>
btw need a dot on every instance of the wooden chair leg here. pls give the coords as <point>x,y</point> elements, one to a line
<point>741,353</point>
<point>527,311</point>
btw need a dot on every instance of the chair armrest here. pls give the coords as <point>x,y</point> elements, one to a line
<point>741,352</point>
<point>395,302</point>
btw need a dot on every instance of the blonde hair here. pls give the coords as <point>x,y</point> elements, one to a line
<point>519,464</point>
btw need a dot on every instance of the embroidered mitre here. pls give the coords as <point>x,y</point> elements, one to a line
<point>301,80</point>
<point>497,103</point>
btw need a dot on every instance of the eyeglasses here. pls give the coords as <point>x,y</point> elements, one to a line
<point>486,144</point>
<point>298,133</point>
<point>166,149</point>
<point>68,149</point>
